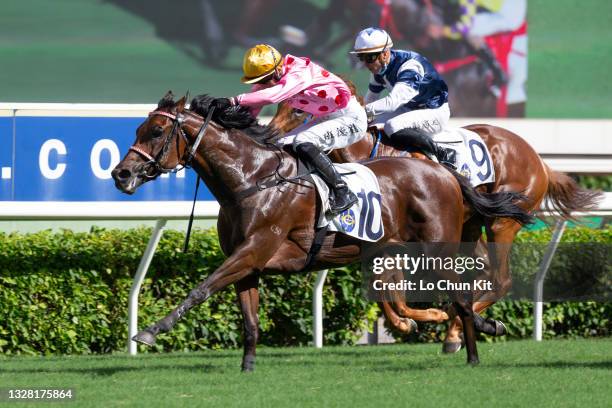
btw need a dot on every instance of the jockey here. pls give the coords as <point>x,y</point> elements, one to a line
<point>337,118</point>
<point>417,104</point>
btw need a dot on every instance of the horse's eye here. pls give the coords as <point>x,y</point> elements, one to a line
<point>157,131</point>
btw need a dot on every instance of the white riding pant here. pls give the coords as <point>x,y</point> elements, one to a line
<point>334,131</point>
<point>430,120</point>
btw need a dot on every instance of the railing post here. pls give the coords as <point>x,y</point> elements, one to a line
<point>145,261</point>
<point>538,290</point>
<point>317,309</point>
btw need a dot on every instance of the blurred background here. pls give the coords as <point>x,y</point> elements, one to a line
<point>133,51</point>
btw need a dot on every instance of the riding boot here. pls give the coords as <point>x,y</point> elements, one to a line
<point>414,138</point>
<point>500,78</point>
<point>417,138</point>
<point>341,198</point>
<point>447,157</point>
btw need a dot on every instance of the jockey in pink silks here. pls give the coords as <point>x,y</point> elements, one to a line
<point>337,118</point>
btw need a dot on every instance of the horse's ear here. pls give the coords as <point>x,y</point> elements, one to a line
<point>180,105</point>
<point>167,100</point>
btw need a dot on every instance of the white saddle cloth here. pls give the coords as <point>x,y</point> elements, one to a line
<point>364,219</point>
<point>473,157</point>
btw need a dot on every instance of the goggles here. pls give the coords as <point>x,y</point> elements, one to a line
<point>368,58</point>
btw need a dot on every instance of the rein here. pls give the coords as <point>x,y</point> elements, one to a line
<point>154,163</point>
<point>278,179</point>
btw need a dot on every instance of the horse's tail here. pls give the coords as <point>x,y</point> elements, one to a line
<point>495,205</point>
<point>566,196</point>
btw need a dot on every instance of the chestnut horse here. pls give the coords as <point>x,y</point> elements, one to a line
<point>517,168</point>
<point>270,230</point>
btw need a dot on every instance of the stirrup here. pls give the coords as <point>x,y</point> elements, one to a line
<point>350,197</point>
<point>448,157</point>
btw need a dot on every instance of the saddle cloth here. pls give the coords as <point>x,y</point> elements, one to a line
<point>473,157</point>
<point>364,219</point>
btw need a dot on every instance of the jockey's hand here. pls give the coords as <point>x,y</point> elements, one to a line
<point>221,104</point>
<point>369,115</point>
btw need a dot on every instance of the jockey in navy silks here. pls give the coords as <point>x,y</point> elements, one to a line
<point>416,106</point>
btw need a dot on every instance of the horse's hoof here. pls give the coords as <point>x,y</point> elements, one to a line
<point>405,325</point>
<point>144,337</point>
<point>413,327</point>
<point>443,317</point>
<point>500,328</point>
<point>449,347</point>
<point>474,362</point>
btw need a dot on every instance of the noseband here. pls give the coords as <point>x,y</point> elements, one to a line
<point>153,167</point>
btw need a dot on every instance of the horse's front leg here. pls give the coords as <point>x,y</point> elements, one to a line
<point>249,257</point>
<point>248,298</point>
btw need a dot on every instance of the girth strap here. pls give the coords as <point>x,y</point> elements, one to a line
<point>317,243</point>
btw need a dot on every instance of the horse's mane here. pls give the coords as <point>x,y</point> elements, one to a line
<point>353,89</point>
<point>234,117</point>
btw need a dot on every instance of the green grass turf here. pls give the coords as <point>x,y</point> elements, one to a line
<point>556,373</point>
<point>94,51</point>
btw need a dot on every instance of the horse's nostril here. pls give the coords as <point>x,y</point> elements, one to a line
<point>122,174</point>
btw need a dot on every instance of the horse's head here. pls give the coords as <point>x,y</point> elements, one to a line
<point>160,146</point>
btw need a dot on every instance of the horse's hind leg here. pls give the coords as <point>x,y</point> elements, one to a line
<point>472,231</point>
<point>403,318</point>
<point>390,297</point>
<point>421,315</point>
<point>403,324</point>
<point>248,299</point>
<point>500,235</point>
<point>463,304</point>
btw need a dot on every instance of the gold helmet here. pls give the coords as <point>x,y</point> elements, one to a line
<point>259,62</point>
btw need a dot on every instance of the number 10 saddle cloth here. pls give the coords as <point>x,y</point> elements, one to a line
<point>364,219</point>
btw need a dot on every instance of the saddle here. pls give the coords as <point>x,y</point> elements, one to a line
<point>463,148</point>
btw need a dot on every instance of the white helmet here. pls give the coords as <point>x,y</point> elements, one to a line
<point>372,40</point>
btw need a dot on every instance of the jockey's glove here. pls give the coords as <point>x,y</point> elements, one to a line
<point>369,114</point>
<point>221,104</point>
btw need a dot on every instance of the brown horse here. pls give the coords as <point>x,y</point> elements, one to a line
<point>517,168</point>
<point>270,230</point>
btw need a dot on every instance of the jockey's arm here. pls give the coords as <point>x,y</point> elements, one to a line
<point>371,96</point>
<point>288,86</point>
<point>401,94</point>
<point>407,87</point>
<point>374,90</point>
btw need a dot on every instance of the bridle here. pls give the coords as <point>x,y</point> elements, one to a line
<point>153,167</point>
